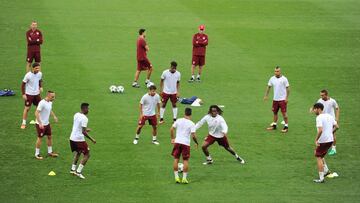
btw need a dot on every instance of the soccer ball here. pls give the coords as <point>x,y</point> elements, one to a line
<point>180,167</point>
<point>113,88</point>
<point>149,84</point>
<point>120,89</point>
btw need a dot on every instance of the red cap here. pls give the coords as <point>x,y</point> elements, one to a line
<point>202,27</point>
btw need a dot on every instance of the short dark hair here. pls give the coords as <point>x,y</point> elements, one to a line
<point>188,111</point>
<point>173,64</point>
<point>84,105</point>
<point>318,106</point>
<point>141,31</point>
<point>152,87</point>
<point>217,108</point>
<point>277,67</point>
<point>50,91</point>
<point>36,64</point>
<point>324,91</point>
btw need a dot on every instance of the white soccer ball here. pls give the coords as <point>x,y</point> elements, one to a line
<point>120,89</point>
<point>149,84</point>
<point>113,88</point>
<point>180,167</point>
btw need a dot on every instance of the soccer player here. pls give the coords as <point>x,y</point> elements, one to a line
<point>218,130</point>
<point>326,126</point>
<point>34,39</point>
<point>148,103</point>
<point>77,140</point>
<point>42,114</point>
<point>31,87</point>
<point>143,62</point>
<point>200,41</point>
<point>184,129</point>
<point>169,88</point>
<point>280,99</point>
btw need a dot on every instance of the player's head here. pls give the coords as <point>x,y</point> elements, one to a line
<point>324,95</point>
<point>318,108</point>
<point>33,25</point>
<point>152,90</point>
<point>173,66</point>
<point>201,28</point>
<point>188,112</point>
<point>215,110</point>
<point>142,32</point>
<point>35,67</point>
<point>84,108</point>
<point>50,95</point>
<point>277,71</point>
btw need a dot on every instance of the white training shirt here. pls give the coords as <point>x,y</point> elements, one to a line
<point>184,128</point>
<point>327,122</point>
<point>44,107</point>
<point>80,121</point>
<point>32,83</point>
<point>170,81</point>
<point>149,104</point>
<point>279,85</point>
<point>329,106</point>
<point>217,125</point>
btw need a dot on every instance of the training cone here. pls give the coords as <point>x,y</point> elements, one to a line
<point>52,173</point>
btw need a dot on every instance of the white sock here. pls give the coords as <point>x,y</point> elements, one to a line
<point>73,167</point>
<point>147,80</point>
<point>154,138</point>
<point>24,122</point>
<point>80,168</point>
<point>175,111</point>
<point>176,173</point>
<point>198,76</point>
<point>236,155</point>
<point>193,76</point>
<point>162,111</point>
<point>321,175</point>
<point>333,147</point>
<point>184,175</point>
<point>37,151</point>
<point>137,136</point>
<point>208,158</point>
<point>286,125</point>
<point>326,169</point>
<point>273,123</point>
<point>49,149</point>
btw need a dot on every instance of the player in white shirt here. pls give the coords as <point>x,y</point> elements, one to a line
<point>281,93</point>
<point>326,126</point>
<point>169,88</point>
<point>185,129</point>
<point>42,114</point>
<point>77,140</point>
<point>148,105</point>
<point>31,87</point>
<point>218,131</point>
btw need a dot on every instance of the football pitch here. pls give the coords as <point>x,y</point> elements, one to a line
<point>90,45</point>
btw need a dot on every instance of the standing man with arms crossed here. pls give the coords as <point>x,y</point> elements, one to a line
<point>34,39</point>
<point>200,41</point>
<point>77,140</point>
<point>184,129</point>
<point>280,100</point>
<point>169,88</point>
<point>148,103</point>
<point>31,87</point>
<point>143,62</point>
<point>326,126</point>
<point>42,114</point>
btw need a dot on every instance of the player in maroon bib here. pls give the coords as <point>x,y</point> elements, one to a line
<point>34,39</point>
<point>200,41</point>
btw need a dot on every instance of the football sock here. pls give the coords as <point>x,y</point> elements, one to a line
<point>37,151</point>
<point>73,167</point>
<point>198,76</point>
<point>184,175</point>
<point>286,125</point>
<point>24,122</point>
<point>208,158</point>
<point>193,76</point>
<point>80,168</point>
<point>176,173</point>
<point>162,111</point>
<point>175,111</point>
<point>49,149</point>
<point>333,147</point>
<point>326,169</point>
<point>154,138</point>
<point>137,136</point>
<point>147,80</point>
<point>236,155</point>
<point>321,175</point>
<point>273,123</point>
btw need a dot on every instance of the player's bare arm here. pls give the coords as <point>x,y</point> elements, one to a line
<point>337,114</point>
<point>85,133</point>
<point>193,135</point>
<point>37,116</point>
<point>161,86</point>
<point>147,48</point>
<point>287,94</point>
<point>172,132</point>
<point>178,89</point>
<point>267,93</point>
<point>320,129</point>
<point>158,110</point>
<point>141,113</point>
<point>54,116</point>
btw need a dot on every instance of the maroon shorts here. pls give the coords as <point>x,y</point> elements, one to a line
<point>165,97</point>
<point>322,150</point>
<point>181,149</point>
<point>221,141</point>
<point>31,55</point>
<point>32,99</point>
<point>152,120</point>
<point>198,60</point>
<point>279,105</point>
<point>45,131</point>
<point>143,64</point>
<point>80,147</point>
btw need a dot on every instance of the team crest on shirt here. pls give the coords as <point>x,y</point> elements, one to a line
<point>37,33</point>
<point>203,38</point>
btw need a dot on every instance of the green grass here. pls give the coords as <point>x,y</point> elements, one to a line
<point>89,45</point>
